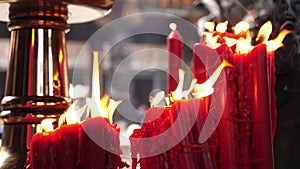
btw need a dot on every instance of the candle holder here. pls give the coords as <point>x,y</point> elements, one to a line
<point>37,76</point>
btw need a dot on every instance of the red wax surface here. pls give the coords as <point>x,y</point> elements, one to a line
<point>199,70</point>
<point>98,131</point>
<point>228,129</point>
<point>68,145</point>
<point>175,48</point>
<point>272,94</point>
<point>39,151</point>
<point>76,147</point>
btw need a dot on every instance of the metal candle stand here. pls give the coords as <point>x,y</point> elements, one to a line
<point>37,75</point>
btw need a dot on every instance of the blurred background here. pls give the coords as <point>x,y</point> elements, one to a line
<point>282,13</point>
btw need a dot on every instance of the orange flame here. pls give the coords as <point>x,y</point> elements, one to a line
<point>72,115</point>
<point>243,45</point>
<point>210,26</point>
<point>211,40</point>
<point>206,88</point>
<point>47,125</point>
<point>95,106</point>
<point>230,41</point>
<point>276,43</point>
<point>241,27</point>
<point>222,27</point>
<point>159,97</point>
<point>264,32</point>
<point>179,93</point>
<point>197,90</point>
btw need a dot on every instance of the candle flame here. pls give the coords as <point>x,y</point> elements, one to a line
<point>276,43</point>
<point>47,125</point>
<point>242,37</point>
<point>95,106</point>
<point>241,27</point>
<point>243,45</point>
<point>210,26</point>
<point>222,27</point>
<point>159,97</point>
<point>179,93</point>
<point>197,90</point>
<point>173,26</point>
<point>96,78</point>
<point>230,41</point>
<point>264,32</point>
<point>206,88</point>
<point>211,40</point>
<point>106,109</point>
<point>72,115</point>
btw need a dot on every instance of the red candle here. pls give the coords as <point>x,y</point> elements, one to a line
<point>74,147</point>
<point>68,139</point>
<point>99,133</point>
<point>186,153</point>
<point>188,156</point>
<point>199,70</point>
<point>227,128</point>
<point>175,46</point>
<point>206,157</point>
<point>156,121</point>
<point>271,86</point>
<point>39,151</point>
<point>255,130</point>
<point>206,152</point>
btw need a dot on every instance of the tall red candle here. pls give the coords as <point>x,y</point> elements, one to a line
<point>199,70</point>
<point>255,130</point>
<point>227,128</point>
<point>206,156</point>
<point>271,86</point>
<point>175,46</point>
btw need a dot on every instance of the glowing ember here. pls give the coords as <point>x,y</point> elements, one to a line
<point>206,88</point>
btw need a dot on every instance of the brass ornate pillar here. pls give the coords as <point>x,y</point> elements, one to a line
<point>37,82</point>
